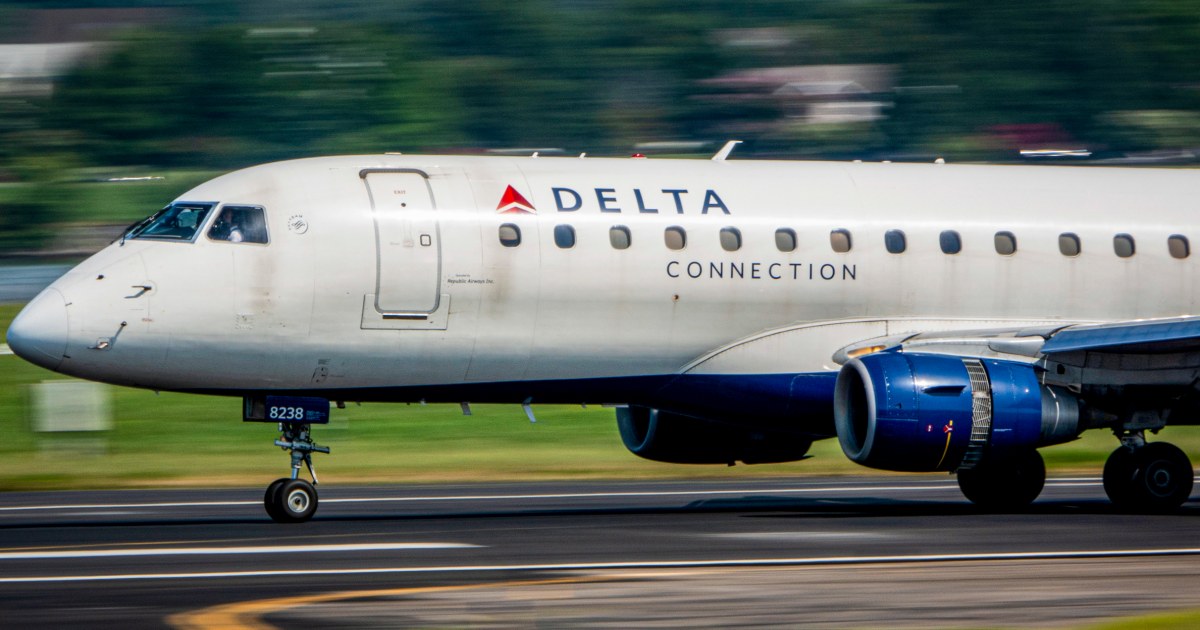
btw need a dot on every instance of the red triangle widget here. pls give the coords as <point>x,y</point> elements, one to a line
<point>514,202</point>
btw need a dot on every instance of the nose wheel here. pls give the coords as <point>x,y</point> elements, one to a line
<point>291,499</point>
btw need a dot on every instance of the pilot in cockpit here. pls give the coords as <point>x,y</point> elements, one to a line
<point>238,224</point>
<point>227,228</point>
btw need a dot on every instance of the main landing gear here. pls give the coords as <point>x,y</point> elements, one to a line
<point>1009,483</point>
<point>1147,477</point>
<point>291,499</point>
<point>1138,477</point>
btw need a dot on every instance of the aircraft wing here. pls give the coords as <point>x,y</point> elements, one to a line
<point>1155,353</point>
<point>1154,336</point>
<point>1177,338</point>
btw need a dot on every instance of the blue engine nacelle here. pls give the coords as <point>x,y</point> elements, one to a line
<point>926,412</point>
<point>676,439</point>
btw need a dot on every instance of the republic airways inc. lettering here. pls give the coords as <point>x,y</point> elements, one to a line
<point>666,200</point>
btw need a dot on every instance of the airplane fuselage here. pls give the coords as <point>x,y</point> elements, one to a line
<point>398,278</point>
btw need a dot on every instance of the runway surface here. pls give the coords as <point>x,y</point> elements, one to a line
<point>19,283</point>
<point>829,552</point>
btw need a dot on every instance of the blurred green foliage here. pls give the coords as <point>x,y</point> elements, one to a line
<point>225,84</point>
<point>27,211</point>
<point>600,76</point>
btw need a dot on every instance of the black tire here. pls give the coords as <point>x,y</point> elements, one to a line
<point>1119,471</point>
<point>269,498</point>
<point>1008,484</point>
<point>295,501</point>
<point>1162,480</point>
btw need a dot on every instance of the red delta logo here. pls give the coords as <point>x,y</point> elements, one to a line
<point>514,202</point>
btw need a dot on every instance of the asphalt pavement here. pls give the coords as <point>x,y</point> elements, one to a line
<point>903,551</point>
<point>20,283</point>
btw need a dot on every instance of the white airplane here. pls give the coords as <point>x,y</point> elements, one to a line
<point>932,317</point>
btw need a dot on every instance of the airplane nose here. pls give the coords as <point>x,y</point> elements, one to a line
<point>39,333</point>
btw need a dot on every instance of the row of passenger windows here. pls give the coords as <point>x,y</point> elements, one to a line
<point>894,241</point>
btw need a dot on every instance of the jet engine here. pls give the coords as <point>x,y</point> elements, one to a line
<point>677,439</point>
<point>924,412</point>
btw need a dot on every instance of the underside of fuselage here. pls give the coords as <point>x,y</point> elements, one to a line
<point>798,403</point>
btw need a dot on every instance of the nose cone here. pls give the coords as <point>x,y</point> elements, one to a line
<point>39,333</point>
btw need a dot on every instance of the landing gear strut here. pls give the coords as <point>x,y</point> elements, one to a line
<point>1009,483</point>
<point>1141,477</point>
<point>291,499</point>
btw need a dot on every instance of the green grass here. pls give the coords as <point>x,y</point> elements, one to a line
<point>187,440</point>
<point>1187,619</point>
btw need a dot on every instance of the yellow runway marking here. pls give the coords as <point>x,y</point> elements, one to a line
<point>248,615</point>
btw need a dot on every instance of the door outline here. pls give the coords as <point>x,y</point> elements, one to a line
<point>437,235</point>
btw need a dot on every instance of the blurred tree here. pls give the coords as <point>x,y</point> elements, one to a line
<point>1051,62</point>
<point>40,197</point>
<point>133,105</point>
<point>230,95</point>
<point>601,75</point>
<point>653,55</point>
<point>525,73</point>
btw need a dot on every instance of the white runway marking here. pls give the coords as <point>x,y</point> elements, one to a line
<point>947,486</point>
<point>224,551</point>
<point>126,506</point>
<point>599,566</point>
<point>802,536</point>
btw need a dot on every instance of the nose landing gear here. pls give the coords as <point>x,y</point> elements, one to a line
<point>291,499</point>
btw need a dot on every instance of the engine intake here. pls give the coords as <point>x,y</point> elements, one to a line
<point>677,439</point>
<point>924,412</point>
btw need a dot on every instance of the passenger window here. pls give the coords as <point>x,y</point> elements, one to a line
<point>950,242</point>
<point>785,239</point>
<point>176,222</point>
<point>895,242</point>
<point>675,237</point>
<point>620,237</point>
<point>564,236</point>
<point>839,240</point>
<point>1068,244</point>
<point>510,235</point>
<point>240,224</point>
<point>731,239</point>
<point>1006,243</point>
<point>1123,245</point>
<point>1177,244</point>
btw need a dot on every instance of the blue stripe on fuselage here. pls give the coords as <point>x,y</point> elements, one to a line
<point>793,401</point>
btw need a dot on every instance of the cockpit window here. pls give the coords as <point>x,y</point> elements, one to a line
<point>240,224</point>
<point>176,222</point>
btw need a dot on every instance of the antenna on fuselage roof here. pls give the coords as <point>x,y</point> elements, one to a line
<point>725,150</point>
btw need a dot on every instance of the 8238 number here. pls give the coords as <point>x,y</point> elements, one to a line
<point>286,413</point>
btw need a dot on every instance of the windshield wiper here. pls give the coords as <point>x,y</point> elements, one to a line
<point>133,227</point>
